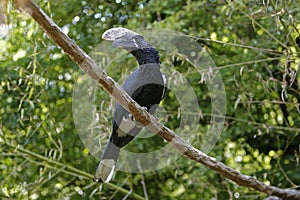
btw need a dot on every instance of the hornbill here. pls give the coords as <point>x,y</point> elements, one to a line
<point>146,85</point>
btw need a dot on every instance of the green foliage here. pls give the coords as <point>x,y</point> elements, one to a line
<point>251,42</point>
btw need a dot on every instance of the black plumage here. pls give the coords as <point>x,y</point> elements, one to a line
<point>146,85</point>
<point>298,41</point>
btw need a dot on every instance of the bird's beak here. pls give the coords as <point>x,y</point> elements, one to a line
<point>122,38</point>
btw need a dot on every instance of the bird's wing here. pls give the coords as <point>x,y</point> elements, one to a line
<point>124,129</point>
<point>134,88</point>
<point>133,85</point>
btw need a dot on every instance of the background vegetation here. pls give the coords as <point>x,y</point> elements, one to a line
<point>253,43</point>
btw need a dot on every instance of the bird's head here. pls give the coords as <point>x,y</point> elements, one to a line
<point>125,39</point>
<point>132,42</point>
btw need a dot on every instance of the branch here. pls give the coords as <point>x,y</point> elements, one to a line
<point>89,66</point>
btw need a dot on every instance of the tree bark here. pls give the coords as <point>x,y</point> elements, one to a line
<point>90,67</point>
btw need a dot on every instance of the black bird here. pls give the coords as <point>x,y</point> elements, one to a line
<point>146,85</point>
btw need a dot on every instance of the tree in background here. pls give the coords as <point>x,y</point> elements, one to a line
<point>252,43</point>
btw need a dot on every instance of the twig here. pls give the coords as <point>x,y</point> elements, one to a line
<point>84,188</point>
<point>125,181</point>
<point>66,169</point>
<point>45,180</point>
<point>263,125</point>
<point>143,180</point>
<point>273,51</point>
<point>260,26</point>
<point>127,195</point>
<point>89,66</point>
<point>292,40</point>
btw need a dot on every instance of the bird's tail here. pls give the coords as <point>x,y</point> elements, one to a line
<point>107,163</point>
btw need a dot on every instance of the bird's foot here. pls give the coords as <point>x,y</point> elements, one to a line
<point>134,120</point>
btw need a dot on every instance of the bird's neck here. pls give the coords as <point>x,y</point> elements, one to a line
<point>146,55</point>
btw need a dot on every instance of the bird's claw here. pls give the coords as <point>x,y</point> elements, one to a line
<point>134,120</point>
<point>131,117</point>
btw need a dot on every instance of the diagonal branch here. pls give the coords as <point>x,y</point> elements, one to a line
<point>89,66</point>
